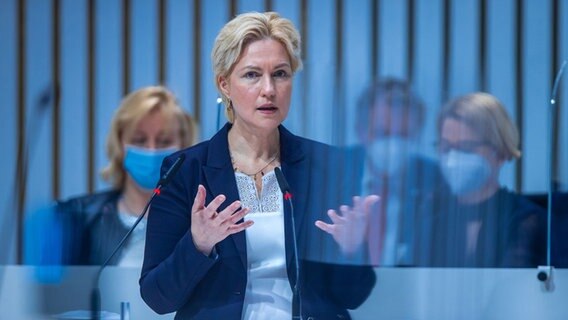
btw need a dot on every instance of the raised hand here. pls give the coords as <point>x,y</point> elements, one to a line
<point>209,227</point>
<point>349,229</point>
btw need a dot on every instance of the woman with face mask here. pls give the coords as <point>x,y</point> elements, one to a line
<point>148,126</point>
<point>482,224</point>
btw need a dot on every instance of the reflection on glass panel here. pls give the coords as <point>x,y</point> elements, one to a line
<point>558,197</point>
<point>453,213</point>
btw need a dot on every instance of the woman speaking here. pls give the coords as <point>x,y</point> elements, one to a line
<point>220,243</point>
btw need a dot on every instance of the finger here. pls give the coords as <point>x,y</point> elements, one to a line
<point>236,228</point>
<point>211,209</point>
<point>199,201</point>
<point>356,202</point>
<point>370,201</point>
<point>335,218</point>
<point>229,210</point>
<point>238,215</point>
<point>325,227</point>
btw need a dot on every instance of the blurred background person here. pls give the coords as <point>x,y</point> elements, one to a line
<point>481,224</point>
<point>148,125</point>
<point>390,119</point>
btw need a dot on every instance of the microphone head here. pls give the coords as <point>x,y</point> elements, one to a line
<point>282,183</point>
<point>172,170</point>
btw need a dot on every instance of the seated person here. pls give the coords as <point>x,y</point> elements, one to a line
<point>148,126</point>
<point>559,245</point>
<point>390,119</point>
<point>481,224</point>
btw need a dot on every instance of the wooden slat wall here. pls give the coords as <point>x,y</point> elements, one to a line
<point>105,48</point>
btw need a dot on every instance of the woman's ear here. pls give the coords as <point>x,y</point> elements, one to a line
<point>224,86</point>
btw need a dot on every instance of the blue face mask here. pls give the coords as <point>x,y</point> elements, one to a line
<point>464,172</point>
<point>389,154</point>
<point>143,165</point>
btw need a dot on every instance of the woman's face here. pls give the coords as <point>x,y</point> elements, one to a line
<point>468,163</point>
<point>145,147</point>
<point>459,136</point>
<point>260,85</point>
<point>154,131</point>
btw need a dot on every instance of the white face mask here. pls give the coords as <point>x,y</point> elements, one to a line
<point>464,172</point>
<point>388,154</point>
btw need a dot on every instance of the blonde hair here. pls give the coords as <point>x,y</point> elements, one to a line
<point>132,109</point>
<point>487,116</point>
<point>241,31</point>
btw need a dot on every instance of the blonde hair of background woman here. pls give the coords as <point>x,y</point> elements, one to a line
<point>486,115</point>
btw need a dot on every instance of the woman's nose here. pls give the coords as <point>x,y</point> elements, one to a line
<point>268,86</point>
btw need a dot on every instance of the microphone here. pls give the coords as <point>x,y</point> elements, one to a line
<point>164,180</point>
<point>297,297</point>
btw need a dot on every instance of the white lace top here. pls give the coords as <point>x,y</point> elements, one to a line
<point>268,294</point>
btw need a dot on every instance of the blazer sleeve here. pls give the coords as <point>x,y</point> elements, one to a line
<point>173,266</point>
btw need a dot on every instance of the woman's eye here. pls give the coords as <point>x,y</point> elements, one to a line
<point>281,74</point>
<point>138,141</point>
<point>251,75</point>
<point>164,143</point>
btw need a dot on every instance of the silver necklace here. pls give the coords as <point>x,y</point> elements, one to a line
<point>253,175</point>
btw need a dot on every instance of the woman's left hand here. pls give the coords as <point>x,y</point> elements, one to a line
<point>350,228</point>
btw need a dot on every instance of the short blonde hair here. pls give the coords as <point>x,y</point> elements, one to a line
<point>486,115</point>
<point>132,109</point>
<point>241,31</point>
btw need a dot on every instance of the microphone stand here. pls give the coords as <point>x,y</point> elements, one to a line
<point>297,298</point>
<point>545,272</point>
<point>95,293</point>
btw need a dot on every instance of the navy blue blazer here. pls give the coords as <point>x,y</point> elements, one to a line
<point>177,277</point>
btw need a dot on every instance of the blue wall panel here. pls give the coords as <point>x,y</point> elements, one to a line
<point>536,94</point>
<point>74,115</point>
<point>180,44</point>
<point>357,60</point>
<point>320,66</point>
<point>214,14</point>
<point>8,124</point>
<point>501,79</point>
<point>464,47</point>
<point>250,5</point>
<point>144,43</point>
<point>393,39</point>
<point>428,66</point>
<point>108,85</point>
<point>38,115</point>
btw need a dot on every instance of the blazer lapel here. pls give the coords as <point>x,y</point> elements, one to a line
<point>220,178</point>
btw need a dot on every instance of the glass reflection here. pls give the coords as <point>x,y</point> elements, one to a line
<point>480,223</point>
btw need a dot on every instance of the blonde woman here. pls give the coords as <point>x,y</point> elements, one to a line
<point>482,224</point>
<point>148,125</point>
<point>220,242</point>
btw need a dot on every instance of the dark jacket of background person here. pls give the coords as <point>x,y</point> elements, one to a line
<point>92,228</point>
<point>559,232</point>
<point>418,181</point>
<point>177,277</point>
<point>512,233</point>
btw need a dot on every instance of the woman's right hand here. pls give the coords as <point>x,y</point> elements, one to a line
<point>209,227</point>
